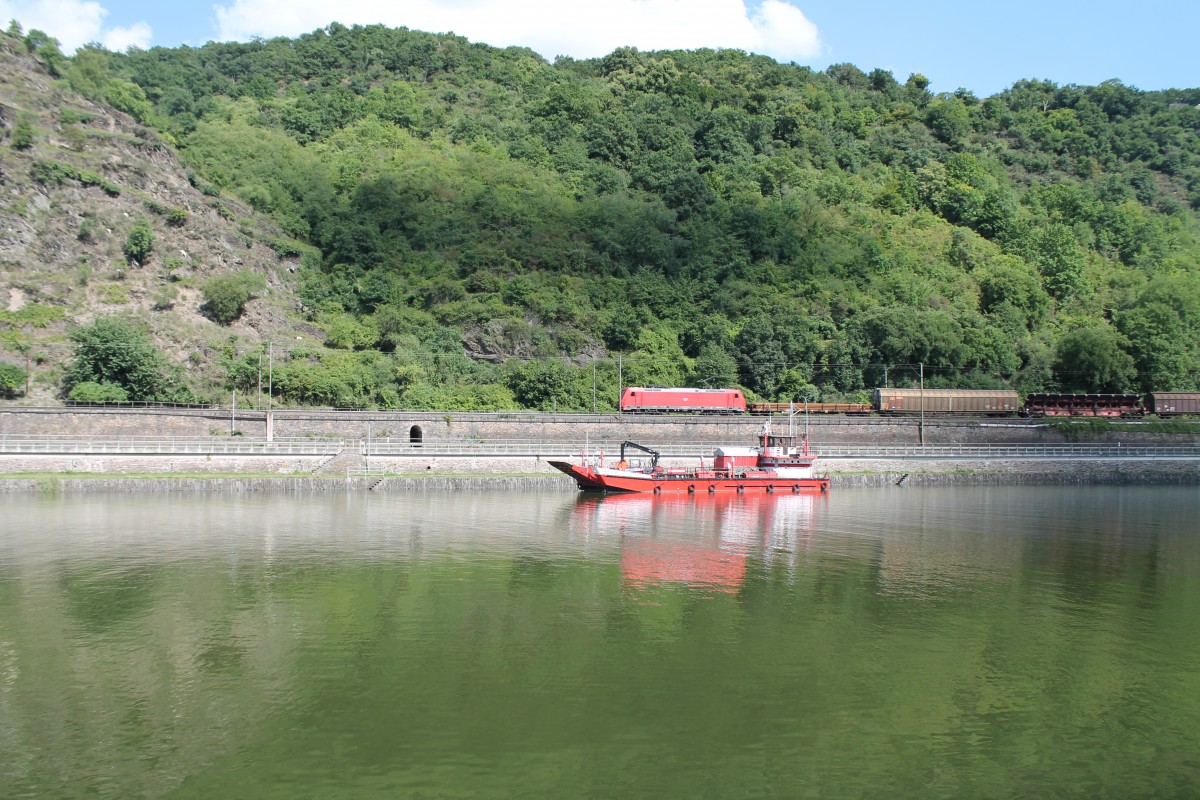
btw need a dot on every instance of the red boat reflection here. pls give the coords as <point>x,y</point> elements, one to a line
<point>699,540</point>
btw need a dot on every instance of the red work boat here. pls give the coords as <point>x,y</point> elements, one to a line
<point>780,463</point>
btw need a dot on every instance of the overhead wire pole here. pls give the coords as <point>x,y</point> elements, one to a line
<point>270,422</point>
<point>921,429</point>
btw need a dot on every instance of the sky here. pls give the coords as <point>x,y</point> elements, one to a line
<point>981,45</point>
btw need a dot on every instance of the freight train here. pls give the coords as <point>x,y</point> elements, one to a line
<point>886,401</point>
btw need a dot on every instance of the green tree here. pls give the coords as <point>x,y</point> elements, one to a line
<point>22,135</point>
<point>226,296</point>
<point>760,356</point>
<point>1162,349</point>
<point>714,367</point>
<point>12,379</point>
<point>347,333</point>
<point>117,352</point>
<point>1092,360</point>
<point>46,49</point>
<point>92,392</point>
<point>140,241</point>
<point>948,119</point>
<point>1061,261</point>
<point>540,384</point>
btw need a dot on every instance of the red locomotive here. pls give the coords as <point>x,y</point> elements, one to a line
<point>637,399</point>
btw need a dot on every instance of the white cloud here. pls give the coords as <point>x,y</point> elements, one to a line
<point>578,28</point>
<point>73,23</point>
<point>118,40</point>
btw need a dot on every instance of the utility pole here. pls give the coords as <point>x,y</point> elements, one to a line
<point>270,421</point>
<point>806,424</point>
<point>921,430</point>
<point>270,365</point>
<point>620,381</point>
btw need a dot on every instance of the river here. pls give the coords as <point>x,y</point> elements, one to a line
<point>871,643</point>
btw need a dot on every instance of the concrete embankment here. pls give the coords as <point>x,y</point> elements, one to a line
<point>1040,472</point>
<point>68,484</point>
<point>843,473</point>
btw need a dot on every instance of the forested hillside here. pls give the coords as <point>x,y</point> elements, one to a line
<point>476,228</point>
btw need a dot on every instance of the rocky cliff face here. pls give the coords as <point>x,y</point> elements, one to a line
<point>76,177</point>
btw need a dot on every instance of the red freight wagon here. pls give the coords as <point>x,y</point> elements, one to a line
<point>637,399</point>
<point>1082,405</point>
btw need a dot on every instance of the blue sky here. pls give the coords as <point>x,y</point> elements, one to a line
<point>982,46</point>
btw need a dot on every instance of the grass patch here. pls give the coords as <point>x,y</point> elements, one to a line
<point>53,173</point>
<point>1080,429</point>
<point>1173,425</point>
<point>34,314</point>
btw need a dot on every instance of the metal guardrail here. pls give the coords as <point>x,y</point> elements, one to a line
<point>83,445</point>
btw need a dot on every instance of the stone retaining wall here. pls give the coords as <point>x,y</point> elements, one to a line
<point>111,464</point>
<point>297,485</point>
<point>954,472</point>
<point>426,426</point>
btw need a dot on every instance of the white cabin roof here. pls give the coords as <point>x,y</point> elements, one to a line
<point>735,451</point>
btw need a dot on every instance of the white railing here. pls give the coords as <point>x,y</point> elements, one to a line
<point>1010,451</point>
<point>233,445</point>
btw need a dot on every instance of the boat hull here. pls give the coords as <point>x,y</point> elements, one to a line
<point>590,478</point>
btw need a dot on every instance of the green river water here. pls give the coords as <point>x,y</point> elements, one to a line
<point>897,643</point>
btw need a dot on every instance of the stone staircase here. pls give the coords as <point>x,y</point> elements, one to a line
<point>350,458</point>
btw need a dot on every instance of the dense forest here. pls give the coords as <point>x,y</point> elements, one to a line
<point>480,229</point>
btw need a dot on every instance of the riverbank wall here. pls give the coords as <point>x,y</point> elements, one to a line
<point>843,473</point>
<point>416,427</point>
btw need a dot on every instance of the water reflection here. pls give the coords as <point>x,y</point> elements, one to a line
<point>884,643</point>
<point>702,540</point>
